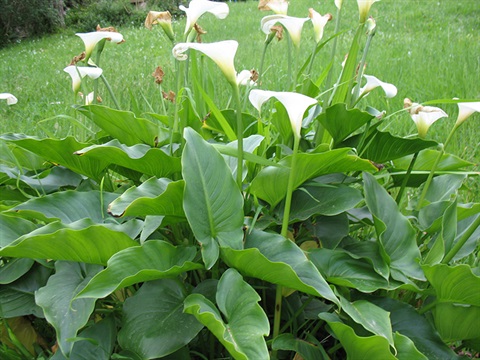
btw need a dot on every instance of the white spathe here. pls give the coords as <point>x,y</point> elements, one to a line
<point>11,99</point>
<point>91,39</point>
<point>319,23</point>
<point>79,72</point>
<point>197,8</point>
<point>364,8</point>
<point>244,78</point>
<point>222,53</point>
<point>424,116</point>
<point>373,82</point>
<point>465,110</point>
<point>293,25</point>
<point>295,104</point>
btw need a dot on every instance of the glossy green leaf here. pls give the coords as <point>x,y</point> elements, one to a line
<point>396,234</point>
<point>17,298</point>
<point>456,322</point>
<point>471,243</point>
<point>330,230</point>
<point>250,144</point>
<point>406,349</point>
<point>12,228</point>
<point>426,159</point>
<point>82,241</point>
<point>103,333</point>
<point>339,268</point>
<point>245,325</point>
<point>320,199</point>
<point>125,126</point>
<point>212,200</point>
<point>271,257</point>
<point>140,157</point>
<point>57,299</point>
<point>383,146</point>
<point>443,187</point>
<point>340,122</point>
<point>430,216</point>
<point>306,350</point>
<point>370,316</point>
<point>408,322</point>
<point>68,206</point>
<point>369,251</point>
<point>153,197</point>
<point>154,329</point>
<point>13,269</point>
<point>153,260</point>
<point>358,347</point>
<point>271,183</point>
<point>62,152</point>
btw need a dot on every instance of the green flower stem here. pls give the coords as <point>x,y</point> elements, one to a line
<point>262,62</point>
<point>284,232</point>
<point>434,167</point>
<point>459,244</point>
<point>428,307</point>
<point>238,103</point>
<point>312,58</point>
<point>405,180</point>
<point>179,72</point>
<point>109,88</point>
<point>100,47</point>
<point>332,59</point>
<point>289,57</point>
<point>360,69</point>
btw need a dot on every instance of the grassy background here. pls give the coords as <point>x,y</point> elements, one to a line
<point>430,49</point>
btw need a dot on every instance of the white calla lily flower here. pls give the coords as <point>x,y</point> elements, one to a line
<point>244,78</point>
<point>364,8</point>
<point>222,53</point>
<point>319,23</point>
<point>465,110</point>
<point>79,72</point>
<point>373,82</point>
<point>197,8</point>
<point>293,25</point>
<point>91,39</point>
<point>338,4</point>
<point>11,99</point>
<point>295,104</point>
<point>277,6</point>
<point>423,116</point>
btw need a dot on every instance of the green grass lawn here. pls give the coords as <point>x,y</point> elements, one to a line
<point>430,49</point>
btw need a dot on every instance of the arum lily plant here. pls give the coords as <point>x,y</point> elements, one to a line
<point>77,73</point>
<point>197,8</point>
<point>162,18</point>
<point>11,99</point>
<point>91,40</point>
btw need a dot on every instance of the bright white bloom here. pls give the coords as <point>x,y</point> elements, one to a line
<point>373,82</point>
<point>293,25</point>
<point>199,7</point>
<point>222,53</point>
<point>277,6</point>
<point>244,78</point>
<point>338,4</point>
<point>87,99</point>
<point>91,39</point>
<point>77,73</point>
<point>364,8</point>
<point>465,110</point>
<point>423,116</point>
<point>319,23</point>
<point>162,18</point>
<point>295,104</point>
<point>11,99</point>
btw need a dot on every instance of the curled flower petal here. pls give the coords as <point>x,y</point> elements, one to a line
<point>11,99</point>
<point>364,8</point>
<point>197,8</point>
<point>91,39</point>
<point>222,53</point>
<point>423,116</point>
<point>277,6</point>
<point>465,110</point>
<point>373,82</point>
<point>295,104</point>
<point>79,72</point>
<point>244,78</point>
<point>293,25</point>
<point>319,23</point>
<point>162,18</point>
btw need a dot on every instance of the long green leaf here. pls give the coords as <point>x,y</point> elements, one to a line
<point>212,201</point>
<point>140,157</point>
<point>12,228</point>
<point>153,329</point>
<point>66,314</point>
<point>271,183</point>
<point>151,261</point>
<point>82,241</point>
<point>242,333</point>
<point>273,258</point>
<point>396,234</point>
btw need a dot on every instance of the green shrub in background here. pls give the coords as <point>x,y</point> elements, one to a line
<point>25,18</point>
